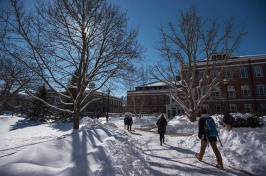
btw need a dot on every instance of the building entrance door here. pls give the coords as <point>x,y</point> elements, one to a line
<point>174,112</point>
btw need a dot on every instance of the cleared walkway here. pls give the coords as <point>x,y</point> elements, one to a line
<point>171,159</point>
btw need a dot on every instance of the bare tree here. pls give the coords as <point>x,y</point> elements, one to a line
<point>90,36</point>
<point>144,78</point>
<point>137,76</point>
<point>13,75</point>
<point>182,47</point>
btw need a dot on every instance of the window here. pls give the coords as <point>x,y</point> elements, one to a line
<point>243,72</point>
<point>245,90</point>
<point>201,74</point>
<point>154,110</point>
<point>161,109</point>
<point>154,100</point>
<point>168,99</point>
<point>138,99</point>
<point>218,109</point>
<point>228,73</point>
<point>160,99</point>
<point>173,100</point>
<point>263,109</point>
<point>217,91</point>
<point>214,73</point>
<point>258,72</point>
<point>233,108</point>
<point>261,90</point>
<point>248,108</point>
<point>231,91</point>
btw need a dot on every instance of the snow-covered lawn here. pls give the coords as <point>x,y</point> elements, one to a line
<point>97,148</point>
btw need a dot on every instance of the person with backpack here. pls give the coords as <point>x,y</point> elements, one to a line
<point>208,133</point>
<point>162,123</point>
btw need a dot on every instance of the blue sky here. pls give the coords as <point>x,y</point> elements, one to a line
<point>149,14</point>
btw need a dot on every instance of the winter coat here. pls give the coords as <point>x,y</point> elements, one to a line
<point>201,129</point>
<point>162,123</point>
<point>125,120</point>
<point>130,121</point>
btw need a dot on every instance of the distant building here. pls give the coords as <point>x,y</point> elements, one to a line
<point>98,107</point>
<point>21,103</point>
<point>156,97</point>
<point>246,90</point>
<point>246,86</point>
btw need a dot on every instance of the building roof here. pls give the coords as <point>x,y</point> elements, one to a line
<point>156,84</point>
<point>246,57</point>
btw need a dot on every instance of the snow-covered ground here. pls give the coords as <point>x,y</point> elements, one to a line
<point>97,148</point>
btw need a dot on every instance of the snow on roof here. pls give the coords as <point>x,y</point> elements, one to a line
<point>252,57</point>
<point>156,84</point>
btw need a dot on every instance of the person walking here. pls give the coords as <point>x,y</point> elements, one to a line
<point>162,123</point>
<point>125,121</point>
<point>129,123</point>
<point>204,141</point>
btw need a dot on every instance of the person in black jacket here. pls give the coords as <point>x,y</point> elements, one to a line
<point>162,123</point>
<point>203,114</point>
<point>129,123</point>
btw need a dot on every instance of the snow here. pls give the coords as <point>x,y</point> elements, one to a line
<point>31,148</point>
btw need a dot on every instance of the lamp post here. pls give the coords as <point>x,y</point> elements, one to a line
<point>226,82</point>
<point>107,105</point>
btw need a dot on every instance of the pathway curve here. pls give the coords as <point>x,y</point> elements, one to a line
<point>171,159</point>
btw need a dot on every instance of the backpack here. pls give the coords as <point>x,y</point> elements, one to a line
<point>209,128</point>
<point>228,119</point>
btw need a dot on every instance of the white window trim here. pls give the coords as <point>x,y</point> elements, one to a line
<point>230,71</point>
<point>235,107</point>
<point>263,92</point>
<point>246,89</point>
<point>231,91</point>
<point>240,73</point>
<point>217,92</point>
<point>260,71</point>
<point>220,108</point>
<point>248,106</point>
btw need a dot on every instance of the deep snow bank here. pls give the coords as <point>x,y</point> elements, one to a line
<point>243,148</point>
<point>95,149</point>
<point>181,124</point>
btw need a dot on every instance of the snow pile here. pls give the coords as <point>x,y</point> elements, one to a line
<point>32,148</point>
<point>181,124</point>
<point>145,121</point>
<point>243,148</point>
<point>95,149</point>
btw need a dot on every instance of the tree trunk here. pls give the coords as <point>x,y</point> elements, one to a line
<point>76,120</point>
<point>193,116</point>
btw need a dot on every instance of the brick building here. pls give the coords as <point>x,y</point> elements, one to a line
<point>156,100</point>
<point>98,107</point>
<point>246,90</point>
<point>246,86</point>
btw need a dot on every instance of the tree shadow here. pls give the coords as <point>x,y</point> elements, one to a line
<point>134,133</point>
<point>87,150</point>
<point>23,124</point>
<point>181,150</point>
<point>62,126</point>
